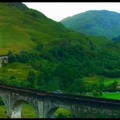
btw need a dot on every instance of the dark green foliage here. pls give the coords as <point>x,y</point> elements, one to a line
<point>112,87</point>
<point>12,57</point>
<point>1,101</point>
<point>78,86</point>
<point>23,57</point>
<point>39,47</point>
<point>98,87</point>
<point>61,116</point>
<point>66,66</point>
<point>31,78</point>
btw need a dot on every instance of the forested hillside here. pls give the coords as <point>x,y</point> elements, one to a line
<point>44,55</point>
<point>95,22</point>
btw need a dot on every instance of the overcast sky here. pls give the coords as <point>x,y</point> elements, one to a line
<point>59,10</point>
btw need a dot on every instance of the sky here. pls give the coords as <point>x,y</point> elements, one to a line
<point>60,10</point>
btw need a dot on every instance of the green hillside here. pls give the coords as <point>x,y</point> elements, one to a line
<point>44,55</point>
<point>22,28</point>
<point>95,22</point>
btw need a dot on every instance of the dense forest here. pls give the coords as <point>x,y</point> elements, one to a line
<point>64,67</point>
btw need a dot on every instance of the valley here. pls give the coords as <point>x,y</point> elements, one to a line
<point>47,55</point>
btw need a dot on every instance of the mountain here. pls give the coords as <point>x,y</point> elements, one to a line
<point>95,22</point>
<point>22,28</point>
<point>45,55</point>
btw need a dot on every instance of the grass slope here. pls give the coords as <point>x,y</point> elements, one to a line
<point>22,29</point>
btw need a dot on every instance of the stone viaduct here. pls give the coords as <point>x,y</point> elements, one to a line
<point>3,59</point>
<point>45,104</point>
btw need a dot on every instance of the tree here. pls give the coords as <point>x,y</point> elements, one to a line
<point>12,57</point>
<point>31,78</point>
<point>62,113</point>
<point>23,57</point>
<point>98,87</point>
<point>78,86</point>
<point>113,86</point>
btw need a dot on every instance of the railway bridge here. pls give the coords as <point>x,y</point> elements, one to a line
<point>45,103</point>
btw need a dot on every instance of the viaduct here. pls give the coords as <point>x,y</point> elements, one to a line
<point>45,103</point>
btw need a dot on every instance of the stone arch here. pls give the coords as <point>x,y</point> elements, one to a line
<point>51,112</point>
<point>17,108</point>
<point>5,99</point>
<point>3,112</point>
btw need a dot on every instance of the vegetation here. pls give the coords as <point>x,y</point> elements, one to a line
<point>27,111</point>
<point>44,55</point>
<point>62,113</point>
<point>59,65</point>
<point>25,28</point>
<point>112,95</point>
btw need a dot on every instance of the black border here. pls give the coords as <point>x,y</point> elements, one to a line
<point>58,1</point>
